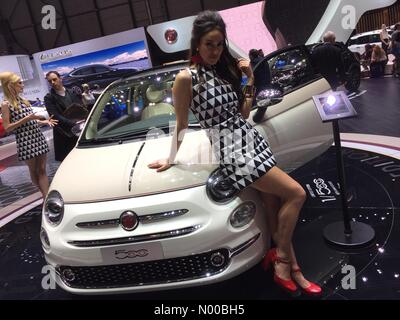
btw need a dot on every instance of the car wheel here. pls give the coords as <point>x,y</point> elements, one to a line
<point>76,89</point>
<point>353,80</point>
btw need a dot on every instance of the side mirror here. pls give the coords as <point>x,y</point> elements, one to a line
<point>269,97</point>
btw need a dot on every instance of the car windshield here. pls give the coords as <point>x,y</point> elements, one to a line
<point>130,108</point>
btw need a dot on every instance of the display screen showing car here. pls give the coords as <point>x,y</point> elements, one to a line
<point>97,76</point>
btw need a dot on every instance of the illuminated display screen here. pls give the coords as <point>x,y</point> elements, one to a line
<point>334,106</point>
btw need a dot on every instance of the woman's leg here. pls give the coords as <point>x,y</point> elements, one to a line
<point>42,175</point>
<point>292,197</point>
<point>31,163</point>
<point>272,205</point>
<point>298,276</point>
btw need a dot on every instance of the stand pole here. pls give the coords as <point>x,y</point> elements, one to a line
<point>342,178</point>
<point>348,233</point>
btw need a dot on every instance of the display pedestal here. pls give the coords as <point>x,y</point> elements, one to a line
<point>346,234</point>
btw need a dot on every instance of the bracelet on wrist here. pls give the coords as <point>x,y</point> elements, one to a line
<point>248,91</point>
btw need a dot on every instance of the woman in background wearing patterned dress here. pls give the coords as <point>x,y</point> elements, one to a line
<point>19,117</point>
<point>214,69</point>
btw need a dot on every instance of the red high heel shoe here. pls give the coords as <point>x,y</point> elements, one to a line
<point>312,289</point>
<point>270,259</point>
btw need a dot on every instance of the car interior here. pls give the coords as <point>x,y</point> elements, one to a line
<point>158,97</point>
<point>136,105</point>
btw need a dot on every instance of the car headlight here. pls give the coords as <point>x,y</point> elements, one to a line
<point>44,238</point>
<point>220,189</point>
<point>54,208</point>
<point>243,214</point>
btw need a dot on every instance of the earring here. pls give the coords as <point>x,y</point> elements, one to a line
<point>196,59</point>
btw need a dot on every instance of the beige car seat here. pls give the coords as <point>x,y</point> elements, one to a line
<point>156,106</point>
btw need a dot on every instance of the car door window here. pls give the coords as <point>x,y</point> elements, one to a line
<point>352,42</point>
<point>291,69</point>
<point>84,71</point>
<point>375,38</point>
<point>100,69</point>
<point>364,40</point>
<point>76,73</point>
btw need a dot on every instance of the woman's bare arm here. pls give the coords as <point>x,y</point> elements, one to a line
<point>10,126</point>
<point>245,108</point>
<point>182,95</point>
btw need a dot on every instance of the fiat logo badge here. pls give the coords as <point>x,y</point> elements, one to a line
<point>171,36</point>
<point>129,220</point>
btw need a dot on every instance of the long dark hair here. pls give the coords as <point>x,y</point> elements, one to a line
<point>226,67</point>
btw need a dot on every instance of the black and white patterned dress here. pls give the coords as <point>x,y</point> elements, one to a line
<point>30,140</point>
<point>244,155</point>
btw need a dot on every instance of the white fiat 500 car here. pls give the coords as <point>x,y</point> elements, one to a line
<point>112,225</point>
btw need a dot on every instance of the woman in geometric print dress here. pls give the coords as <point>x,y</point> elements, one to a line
<point>211,89</point>
<point>18,116</point>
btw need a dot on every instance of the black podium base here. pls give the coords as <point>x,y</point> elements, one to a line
<point>361,236</point>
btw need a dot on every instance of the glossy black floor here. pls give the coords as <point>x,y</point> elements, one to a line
<point>374,198</point>
<point>378,106</point>
<point>15,182</point>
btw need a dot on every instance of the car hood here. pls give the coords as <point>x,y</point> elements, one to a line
<point>108,172</point>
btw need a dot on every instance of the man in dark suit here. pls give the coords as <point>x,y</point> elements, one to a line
<point>56,102</point>
<point>327,59</point>
<point>262,77</point>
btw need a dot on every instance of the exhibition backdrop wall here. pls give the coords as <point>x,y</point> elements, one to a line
<point>133,55</point>
<point>249,26</point>
<point>25,68</point>
<point>245,28</point>
<point>100,61</point>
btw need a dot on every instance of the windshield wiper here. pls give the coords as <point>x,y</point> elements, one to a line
<point>99,140</point>
<point>129,135</point>
<point>145,132</point>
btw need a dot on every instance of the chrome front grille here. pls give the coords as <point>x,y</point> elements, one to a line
<point>149,218</point>
<point>145,273</point>
<point>133,239</point>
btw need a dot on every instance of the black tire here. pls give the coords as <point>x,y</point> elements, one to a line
<point>353,79</point>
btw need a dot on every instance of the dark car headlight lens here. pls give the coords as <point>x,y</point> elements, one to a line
<point>44,238</point>
<point>219,188</point>
<point>54,208</point>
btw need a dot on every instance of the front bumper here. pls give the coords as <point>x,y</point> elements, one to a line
<point>212,252</point>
